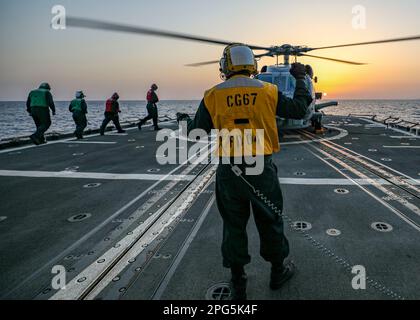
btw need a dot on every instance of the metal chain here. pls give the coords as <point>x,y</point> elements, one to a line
<point>328,252</point>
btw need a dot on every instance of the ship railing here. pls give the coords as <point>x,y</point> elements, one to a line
<point>394,122</point>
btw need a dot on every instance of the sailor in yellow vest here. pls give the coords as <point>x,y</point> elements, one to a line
<point>79,109</point>
<point>244,103</point>
<point>38,104</point>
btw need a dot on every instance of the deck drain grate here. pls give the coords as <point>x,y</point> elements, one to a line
<point>333,232</point>
<point>72,169</point>
<point>341,191</point>
<point>153,170</point>
<point>79,217</point>
<point>302,225</point>
<point>219,292</point>
<point>386,159</point>
<point>300,174</point>
<point>373,150</point>
<point>382,227</point>
<point>92,185</point>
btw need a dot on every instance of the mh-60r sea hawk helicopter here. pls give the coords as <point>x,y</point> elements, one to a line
<point>277,74</point>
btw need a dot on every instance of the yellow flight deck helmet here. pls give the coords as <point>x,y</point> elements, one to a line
<point>238,58</point>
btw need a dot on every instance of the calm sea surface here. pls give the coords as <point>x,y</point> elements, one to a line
<point>15,122</point>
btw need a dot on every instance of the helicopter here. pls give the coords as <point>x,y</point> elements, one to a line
<point>278,74</point>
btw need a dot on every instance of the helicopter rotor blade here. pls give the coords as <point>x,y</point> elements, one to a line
<point>335,60</point>
<point>109,26</point>
<point>205,63</point>
<point>200,64</point>
<point>369,43</point>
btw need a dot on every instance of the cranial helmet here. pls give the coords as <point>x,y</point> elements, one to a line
<point>45,86</point>
<point>115,96</point>
<point>154,87</point>
<point>80,95</point>
<point>238,58</point>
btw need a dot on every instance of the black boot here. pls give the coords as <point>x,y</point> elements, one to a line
<point>140,125</point>
<point>35,140</point>
<point>239,284</point>
<point>158,129</point>
<point>281,274</point>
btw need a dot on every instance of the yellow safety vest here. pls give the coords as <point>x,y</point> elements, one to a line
<point>246,108</point>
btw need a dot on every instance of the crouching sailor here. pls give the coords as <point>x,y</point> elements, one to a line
<point>79,109</point>
<point>38,105</point>
<point>112,111</point>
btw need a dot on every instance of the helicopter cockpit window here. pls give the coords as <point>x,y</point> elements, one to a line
<point>282,82</point>
<point>265,77</point>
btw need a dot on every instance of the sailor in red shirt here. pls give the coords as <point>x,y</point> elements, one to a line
<point>111,114</point>
<point>152,110</point>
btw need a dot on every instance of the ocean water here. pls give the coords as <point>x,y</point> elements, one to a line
<point>15,122</point>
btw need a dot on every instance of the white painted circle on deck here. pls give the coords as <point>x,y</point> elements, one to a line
<point>382,227</point>
<point>333,232</point>
<point>302,225</point>
<point>341,191</point>
<point>79,217</point>
<point>92,185</point>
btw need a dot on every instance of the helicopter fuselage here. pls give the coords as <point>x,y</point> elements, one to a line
<point>286,83</point>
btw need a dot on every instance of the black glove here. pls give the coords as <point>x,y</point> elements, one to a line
<point>181,117</point>
<point>298,71</point>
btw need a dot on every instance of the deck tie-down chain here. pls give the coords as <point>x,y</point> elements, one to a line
<point>318,245</point>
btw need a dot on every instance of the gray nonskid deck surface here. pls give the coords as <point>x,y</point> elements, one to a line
<point>185,261</point>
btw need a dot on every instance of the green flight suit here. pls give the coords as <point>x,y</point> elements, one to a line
<point>79,109</point>
<point>38,104</point>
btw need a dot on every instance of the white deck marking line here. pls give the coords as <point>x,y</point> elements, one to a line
<point>168,276</point>
<point>333,182</point>
<point>412,135</point>
<point>61,141</point>
<point>117,259</point>
<point>409,179</point>
<point>95,176</point>
<point>405,137</point>
<point>343,134</point>
<point>163,177</point>
<point>69,249</point>
<point>88,142</point>
<point>401,147</point>
<point>399,199</point>
<point>394,210</point>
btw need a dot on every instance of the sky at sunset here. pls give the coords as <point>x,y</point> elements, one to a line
<point>101,63</point>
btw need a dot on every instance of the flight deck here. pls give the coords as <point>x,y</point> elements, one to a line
<point>126,228</point>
